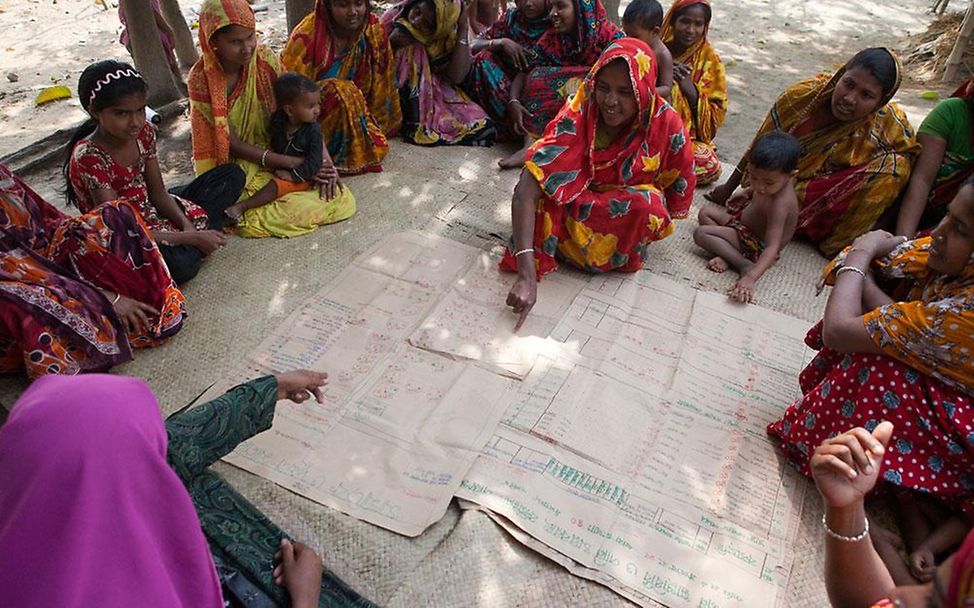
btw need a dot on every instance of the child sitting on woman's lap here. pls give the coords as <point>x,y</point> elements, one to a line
<point>294,133</point>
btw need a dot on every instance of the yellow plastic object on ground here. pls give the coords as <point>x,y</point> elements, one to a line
<point>52,94</point>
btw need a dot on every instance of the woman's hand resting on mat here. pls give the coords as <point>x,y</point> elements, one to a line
<point>846,467</point>
<point>133,314</point>
<point>299,571</point>
<point>300,385</point>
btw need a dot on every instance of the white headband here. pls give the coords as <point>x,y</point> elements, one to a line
<point>109,77</point>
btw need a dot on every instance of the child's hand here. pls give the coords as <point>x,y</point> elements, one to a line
<point>740,200</point>
<point>743,290</point>
<point>720,194</point>
<point>923,565</point>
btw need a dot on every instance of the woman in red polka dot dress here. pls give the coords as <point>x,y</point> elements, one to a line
<point>909,360</point>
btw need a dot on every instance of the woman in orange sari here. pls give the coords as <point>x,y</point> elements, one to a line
<point>608,177</point>
<point>77,294</point>
<point>859,149</point>
<point>343,47</point>
<point>701,92</point>
<point>231,94</point>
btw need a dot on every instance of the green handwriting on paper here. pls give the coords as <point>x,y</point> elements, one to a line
<point>364,500</point>
<point>547,505</point>
<point>569,538</point>
<point>663,586</point>
<point>584,482</point>
<point>476,488</point>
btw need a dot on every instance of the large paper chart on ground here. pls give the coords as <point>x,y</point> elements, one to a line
<point>643,458</point>
<point>401,425</point>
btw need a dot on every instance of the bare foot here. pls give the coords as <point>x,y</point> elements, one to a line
<point>514,161</point>
<point>717,264</point>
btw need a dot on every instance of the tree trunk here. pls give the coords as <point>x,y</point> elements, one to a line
<point>296,11</point>
<point>147,51</point>
<point>612,10</point>
<point>956,58</point>
<point>185,47</point>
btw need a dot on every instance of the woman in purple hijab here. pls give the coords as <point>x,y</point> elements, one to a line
<point>94,507</point>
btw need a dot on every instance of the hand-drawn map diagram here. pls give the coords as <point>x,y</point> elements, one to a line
<point>621,432</point>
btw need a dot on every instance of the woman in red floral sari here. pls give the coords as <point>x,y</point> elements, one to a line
<point>608,177</point>
<point>78,293</point>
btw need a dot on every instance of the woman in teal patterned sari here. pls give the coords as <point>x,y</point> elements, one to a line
<point>94,509</point>
<point>243,541</point>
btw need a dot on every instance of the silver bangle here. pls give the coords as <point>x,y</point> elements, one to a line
<point>517,253</point>
<point>463,42</point>
<point>849,539</point>
<point>850,269</point>
<point>263,157</point>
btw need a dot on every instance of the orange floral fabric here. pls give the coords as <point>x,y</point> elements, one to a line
<point>209,101</point>
<point>932,329</point>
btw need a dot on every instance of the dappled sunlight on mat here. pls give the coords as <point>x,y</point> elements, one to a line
<point>638,458</point>
<point>401,424</point>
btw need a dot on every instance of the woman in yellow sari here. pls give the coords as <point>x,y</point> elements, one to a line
<point>431,42</point>
<point>701,92</point>
<point>342,47</point>
<point>858,149</point>
<point>231,101</point>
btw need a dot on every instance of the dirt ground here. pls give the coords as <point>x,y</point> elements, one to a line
<point>765,44</point>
